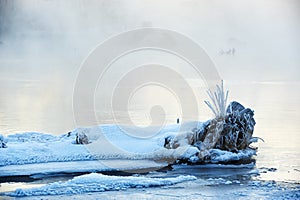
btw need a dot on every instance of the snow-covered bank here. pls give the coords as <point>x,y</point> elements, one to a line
<point>40,153</point>
<point>99,183</point>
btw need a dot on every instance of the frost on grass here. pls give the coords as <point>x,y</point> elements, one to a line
<point>219,100</point>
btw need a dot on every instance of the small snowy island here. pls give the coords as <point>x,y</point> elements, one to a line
<point>225,139</point>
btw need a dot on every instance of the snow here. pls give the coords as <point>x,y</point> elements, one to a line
<point>226,156</point>
<point>99,183</point>
<point>111,144</point>
<point>191,154</point>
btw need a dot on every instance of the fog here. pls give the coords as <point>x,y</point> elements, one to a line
<point>265,34</point>
<point>44,42</point>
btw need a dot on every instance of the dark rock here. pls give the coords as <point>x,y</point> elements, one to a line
<point>167,142</point>
<point>2,142</point>
<point>81,138</point>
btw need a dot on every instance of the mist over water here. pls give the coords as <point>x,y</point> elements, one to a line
<point>43,43</point>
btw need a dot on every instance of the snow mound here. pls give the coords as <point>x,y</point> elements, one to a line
<point>98,183</point>
<point>111,143</point>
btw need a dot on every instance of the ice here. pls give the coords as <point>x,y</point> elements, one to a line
<point>39,170</point>
<point>99,183</point>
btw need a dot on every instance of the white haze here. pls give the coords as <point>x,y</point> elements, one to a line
<point>42,44</point>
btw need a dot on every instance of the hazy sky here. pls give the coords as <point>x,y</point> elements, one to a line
<point>43,43</point>
<point>53,36</point>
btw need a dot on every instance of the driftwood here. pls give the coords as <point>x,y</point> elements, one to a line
<point>230,130</point>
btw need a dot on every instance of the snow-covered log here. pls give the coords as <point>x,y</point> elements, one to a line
<point>231,130</point>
